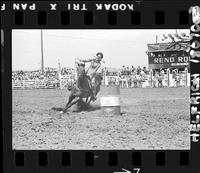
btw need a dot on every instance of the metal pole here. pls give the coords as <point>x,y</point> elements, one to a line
<point>186,77</point>
<point>156,38</point>
<point>168,77</point>
<point>42,53</point>
<point>59,69</point>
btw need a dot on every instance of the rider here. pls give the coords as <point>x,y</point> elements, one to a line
<point>91,71</point>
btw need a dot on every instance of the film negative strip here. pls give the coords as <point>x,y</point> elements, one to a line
<point>105,86</point>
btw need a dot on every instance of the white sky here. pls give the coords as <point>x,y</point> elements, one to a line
<point>120,47</point>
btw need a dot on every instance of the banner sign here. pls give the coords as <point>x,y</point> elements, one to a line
<point>168,60</point>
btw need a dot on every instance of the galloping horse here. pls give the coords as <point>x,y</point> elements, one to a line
<point>85,90</point>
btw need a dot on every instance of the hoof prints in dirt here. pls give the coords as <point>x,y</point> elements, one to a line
<point>146,116</point>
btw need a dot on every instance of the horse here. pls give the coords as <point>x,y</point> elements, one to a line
<point>85,90</point>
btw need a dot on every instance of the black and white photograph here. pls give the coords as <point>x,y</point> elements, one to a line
<point>100,89</point>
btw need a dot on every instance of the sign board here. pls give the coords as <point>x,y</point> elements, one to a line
<point>173,59</point>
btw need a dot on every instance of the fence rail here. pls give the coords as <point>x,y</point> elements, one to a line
<point>31,84</point>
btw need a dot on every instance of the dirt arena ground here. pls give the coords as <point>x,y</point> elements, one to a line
<point>152,118</point>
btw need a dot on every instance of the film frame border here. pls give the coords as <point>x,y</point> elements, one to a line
<point>111,160</point>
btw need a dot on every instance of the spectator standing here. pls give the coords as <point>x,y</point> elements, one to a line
<point>138,70</point>
<point>132,69</point>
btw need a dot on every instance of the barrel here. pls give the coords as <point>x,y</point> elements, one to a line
<point>110,100</point>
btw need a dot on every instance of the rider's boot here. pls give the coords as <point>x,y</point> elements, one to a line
<point>93,97</point>
<point>94,94</point>
<point>78,83</point>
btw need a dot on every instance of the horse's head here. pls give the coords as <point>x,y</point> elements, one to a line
<point>69,87</point>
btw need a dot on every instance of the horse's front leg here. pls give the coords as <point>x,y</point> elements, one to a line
<point>71,104</point>
<point>89,101</point>
<point>86,99</point>
<point>71,98</point>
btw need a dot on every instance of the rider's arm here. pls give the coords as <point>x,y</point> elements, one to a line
<point>88,60</point>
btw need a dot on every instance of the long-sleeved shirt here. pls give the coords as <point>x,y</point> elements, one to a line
<point>94,66</point>
<point>95,61</point>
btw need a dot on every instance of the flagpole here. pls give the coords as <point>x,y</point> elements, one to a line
<point>59,70</point>
<point>42,53</point>
<point>59,65</point>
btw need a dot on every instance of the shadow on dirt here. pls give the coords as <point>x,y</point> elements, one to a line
<point>57,109</point>
<point>81,106</point>
<point>93,108</point>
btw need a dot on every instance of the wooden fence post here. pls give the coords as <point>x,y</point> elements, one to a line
<point>104,77</point>
<point>151,78</point>
<point>168,77</point>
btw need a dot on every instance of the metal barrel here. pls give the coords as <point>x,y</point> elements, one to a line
<point>110,100</point>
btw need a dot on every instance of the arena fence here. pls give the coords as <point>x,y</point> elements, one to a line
<point>66,80</point>
<point>138,81</point>
<point>125,81</point>
<point>31,84</point>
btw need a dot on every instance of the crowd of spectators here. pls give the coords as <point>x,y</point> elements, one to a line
<point>26,75</point>
<point>52,73</point>
<point>126,77</point>
<point>49,73</point>
<point>129,77</point>
<point>133,70</point>
<point>67,71</point>
<point>127,71</point>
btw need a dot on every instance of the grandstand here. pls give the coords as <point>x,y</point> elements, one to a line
<point>50,78</point>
